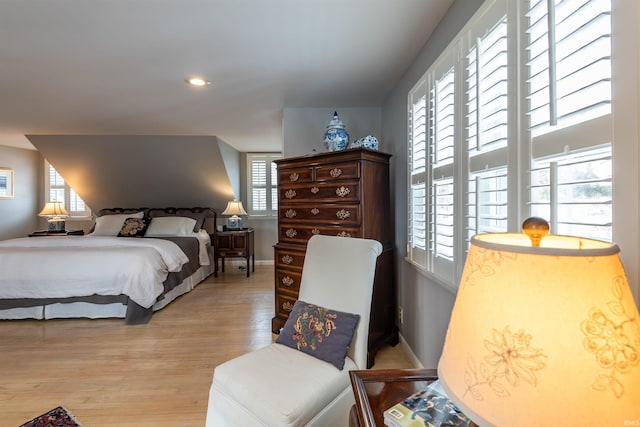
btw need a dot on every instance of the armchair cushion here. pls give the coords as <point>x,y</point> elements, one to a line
<point>275,386</point>
<point>320,332</point>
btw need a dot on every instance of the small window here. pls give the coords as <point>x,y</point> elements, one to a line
<point>262,180</point>
<point>57,190</point>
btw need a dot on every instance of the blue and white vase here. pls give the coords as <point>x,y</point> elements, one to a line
<point>336,137</point>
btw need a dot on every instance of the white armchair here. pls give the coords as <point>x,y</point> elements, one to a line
<point>281,386</point>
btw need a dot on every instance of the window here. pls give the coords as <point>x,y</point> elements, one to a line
<point>262,183</point>
<point>57,190</point>
<point>500,131</point>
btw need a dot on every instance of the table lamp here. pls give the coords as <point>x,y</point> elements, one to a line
<point>55,211</point>
<point>544,335</point>
<point>234,208</point>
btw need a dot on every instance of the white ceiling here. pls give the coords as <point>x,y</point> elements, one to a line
<point>118,66</point>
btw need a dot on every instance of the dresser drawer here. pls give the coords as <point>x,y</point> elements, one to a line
<point>294,233</point>
<point>295,175</point>
<point>292,260</point>
<point>288,281</point>
<point>338,214</point>
<point>333,171</point>
<point>325,191</point>
<point>284,305</point>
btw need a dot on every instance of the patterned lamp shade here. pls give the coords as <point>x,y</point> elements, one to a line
<point>543,336</point>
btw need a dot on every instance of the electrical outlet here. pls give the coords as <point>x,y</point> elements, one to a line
<point>400,315</point>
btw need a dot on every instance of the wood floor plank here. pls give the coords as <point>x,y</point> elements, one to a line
<point>158,374</point>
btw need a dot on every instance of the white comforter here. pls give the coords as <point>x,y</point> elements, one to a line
<point>66,266</point>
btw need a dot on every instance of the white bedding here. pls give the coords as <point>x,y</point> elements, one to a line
<point>59,267</point>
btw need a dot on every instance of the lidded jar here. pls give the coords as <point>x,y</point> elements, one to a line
<point>336,137</point>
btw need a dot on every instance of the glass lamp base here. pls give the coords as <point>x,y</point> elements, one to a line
<point>56,226</point>
<point>234,223</point>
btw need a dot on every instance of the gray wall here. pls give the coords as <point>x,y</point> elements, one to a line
<point>426,305</point>
<point>303,128</point>
<point>18,216</point>
<point>144,170</point>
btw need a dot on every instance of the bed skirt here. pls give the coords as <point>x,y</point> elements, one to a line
<point>124,309</point>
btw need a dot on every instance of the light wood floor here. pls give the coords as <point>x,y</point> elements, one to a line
<point>158,374</point>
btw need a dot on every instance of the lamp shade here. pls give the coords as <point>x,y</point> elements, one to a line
<point>53,209</point>
<point>234,208</point>
<point>543,336</point>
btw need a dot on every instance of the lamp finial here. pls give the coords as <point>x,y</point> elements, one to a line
<point>536,228</point>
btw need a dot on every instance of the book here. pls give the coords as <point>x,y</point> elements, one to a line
<point>429,407</point>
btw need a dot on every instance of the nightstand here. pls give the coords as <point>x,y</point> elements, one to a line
<point>45,233</point>
<point>234,243</point>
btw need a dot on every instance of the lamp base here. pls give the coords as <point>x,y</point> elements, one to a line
<point>234,223</point>
<point>56,226</point>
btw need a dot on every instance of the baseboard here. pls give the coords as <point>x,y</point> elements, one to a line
<point>409,353</point>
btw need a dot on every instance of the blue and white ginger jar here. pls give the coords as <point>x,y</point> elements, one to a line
<point>336,137</point>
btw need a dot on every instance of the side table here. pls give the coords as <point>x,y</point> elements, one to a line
<point>377,390</point>
<point>234,243</point>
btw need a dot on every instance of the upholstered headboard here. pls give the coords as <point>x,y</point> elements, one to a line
<point>206,217</point>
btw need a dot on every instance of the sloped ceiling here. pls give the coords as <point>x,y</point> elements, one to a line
<point>144,171</point>
<point>117,67</point>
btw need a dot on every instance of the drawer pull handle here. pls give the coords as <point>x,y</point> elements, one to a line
<point>291,233</point>
<point>315,231</point>
<point>286,259</point>
<point>287,306</point>
<point>335,172</point>
<point>343,214</point>
<point>344,234</point>
<point>290,194</point>
<point>315,211</point>
<point>315,190</point>
<point>291,213</point>
<point>287,281</point>
<point>294,177</point>
<point>343,191</point>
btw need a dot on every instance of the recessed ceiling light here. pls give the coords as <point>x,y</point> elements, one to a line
<point>197,81</point>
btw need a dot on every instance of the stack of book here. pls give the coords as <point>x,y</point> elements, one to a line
<point>428,407</point>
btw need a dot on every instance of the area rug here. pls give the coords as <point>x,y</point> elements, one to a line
<point>57,417</point>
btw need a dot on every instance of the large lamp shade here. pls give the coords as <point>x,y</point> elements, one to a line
<point>543,336</point>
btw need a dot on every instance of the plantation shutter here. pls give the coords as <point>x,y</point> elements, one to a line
<point>262,183</point>
<point>60,191</point>
<point>417,174</point>
<point>569,76</point>
<point>487,125</point>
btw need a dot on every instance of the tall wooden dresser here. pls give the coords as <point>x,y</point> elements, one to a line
<point>342,193</point>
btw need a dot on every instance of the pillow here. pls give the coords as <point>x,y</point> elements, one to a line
<point>198,216</point>
<point>170,226</point>
<point>134,227</point>
<point>110,225</point>
<point>319,332</point>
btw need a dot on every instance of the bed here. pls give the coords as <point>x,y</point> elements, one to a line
<point>132,263</point>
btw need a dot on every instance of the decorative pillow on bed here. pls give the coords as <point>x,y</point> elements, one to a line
<point>170,226</point>
<point>319,332</point>
<point>134,227</point>
<point>110,225</point>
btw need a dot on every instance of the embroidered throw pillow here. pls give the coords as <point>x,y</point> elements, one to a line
<point>319,332</point>
<point>134,227</point>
